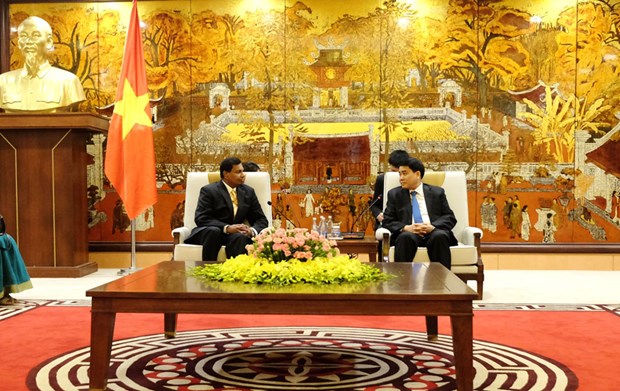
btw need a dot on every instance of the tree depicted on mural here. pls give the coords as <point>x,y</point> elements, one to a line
<point>427,34</point>
<point>541,45</point>
<point>232,25</point>
<point>167,53</point>
<point>481,45</point>
<point>261,45</point>
<point>394,62</point>
<point>589,51</point>
<point>582,49</point>
<point>556,122</point>
<point>213,39</point>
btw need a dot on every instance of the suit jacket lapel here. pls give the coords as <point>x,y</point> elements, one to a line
<point>406,200</point>
<point>241,205</point>
<point>226,196</point>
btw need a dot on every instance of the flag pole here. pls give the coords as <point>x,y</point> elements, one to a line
<point>130,155</point>
<point>133,268</point>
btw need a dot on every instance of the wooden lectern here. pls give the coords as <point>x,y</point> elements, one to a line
<point>43,189</point>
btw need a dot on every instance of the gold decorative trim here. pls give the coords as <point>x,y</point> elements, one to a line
<point>16,190</point>
<point>54,194</point>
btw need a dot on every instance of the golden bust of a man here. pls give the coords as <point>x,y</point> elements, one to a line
<point>38,86</point>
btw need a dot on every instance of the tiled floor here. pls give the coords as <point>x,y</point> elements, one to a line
<point>501,286</point>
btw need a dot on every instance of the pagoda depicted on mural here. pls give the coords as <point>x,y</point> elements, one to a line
<point>332,88</point>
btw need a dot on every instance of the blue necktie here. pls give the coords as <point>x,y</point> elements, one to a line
<point>415,207</point>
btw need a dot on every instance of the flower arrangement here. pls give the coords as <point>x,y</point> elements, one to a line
<point>299,243</point>
<point>284,257</point>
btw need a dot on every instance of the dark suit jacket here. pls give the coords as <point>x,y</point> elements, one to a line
<point>377,207</point>
<point>215,208</point>
<point>398,211</point>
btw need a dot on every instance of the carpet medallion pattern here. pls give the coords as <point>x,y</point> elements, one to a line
<point>302,359</point>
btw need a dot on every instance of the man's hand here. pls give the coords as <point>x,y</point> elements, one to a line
<point>420,229</point>
<point>380,217</point>
<point>239,228</point>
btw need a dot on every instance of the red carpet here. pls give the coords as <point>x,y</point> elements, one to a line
<point>586,342</point>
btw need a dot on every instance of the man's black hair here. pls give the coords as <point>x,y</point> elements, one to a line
<point>415,165</point>
<point>227,165</point>
<point>398,158</point>
<point>250,167</point>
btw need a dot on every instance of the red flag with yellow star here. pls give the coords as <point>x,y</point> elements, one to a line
<point>130,156</point>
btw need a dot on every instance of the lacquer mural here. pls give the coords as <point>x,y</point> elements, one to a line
<point>522,95</point>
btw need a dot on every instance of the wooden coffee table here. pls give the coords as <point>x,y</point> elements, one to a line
<point>367,245</point>
<point>417,289</point>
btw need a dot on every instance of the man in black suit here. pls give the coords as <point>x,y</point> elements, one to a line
<point>396,159</point>
<point>418,215</point>
<point>228,213</point>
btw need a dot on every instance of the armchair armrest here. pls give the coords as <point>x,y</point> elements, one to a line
<point>180,234</point>
<point>468,236</point>
<point>383,235</point>
<point>379,233</point>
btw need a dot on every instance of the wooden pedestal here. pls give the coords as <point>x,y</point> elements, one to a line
<point>43,185</point>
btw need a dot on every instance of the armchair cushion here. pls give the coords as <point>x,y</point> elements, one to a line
<point>259,181</point>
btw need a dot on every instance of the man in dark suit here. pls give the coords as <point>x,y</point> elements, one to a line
<point>396,159</point>
<point>418,215</point>
<point>228,213</point>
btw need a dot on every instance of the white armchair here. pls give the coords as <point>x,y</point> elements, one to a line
<point>466,256</point>
<point>259,181</point>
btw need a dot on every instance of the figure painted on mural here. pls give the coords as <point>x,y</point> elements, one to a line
<point>228,213</point>
<point>38,86</point>
<point>366,217</point>
<point>526,223</point>
<point>502,186</point>
<point>120,220</point>
<point>13,273</point>
<point>497,178</point>
<point>520,148</point>
<point>277,221</point>
<point>288,212</point>
<point>328,173</point>
<point>515,218</point>
<point>145,220</point>
<point>94,216</point>
<point>351,203</point>
<point>615,207</point>
<point>549,229</point>
<point>178,214</point>
<point>506,212</point>
<point>586,215</point>
<point>308,203</point>
<point>488,212</point>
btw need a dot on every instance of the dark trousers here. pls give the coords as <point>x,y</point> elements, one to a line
<point>437,244</point>
<point>213,238</point>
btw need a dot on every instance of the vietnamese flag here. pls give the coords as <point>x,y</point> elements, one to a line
<point>130,156</point>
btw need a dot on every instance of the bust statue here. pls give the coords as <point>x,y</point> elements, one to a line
<point>38,86</point>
